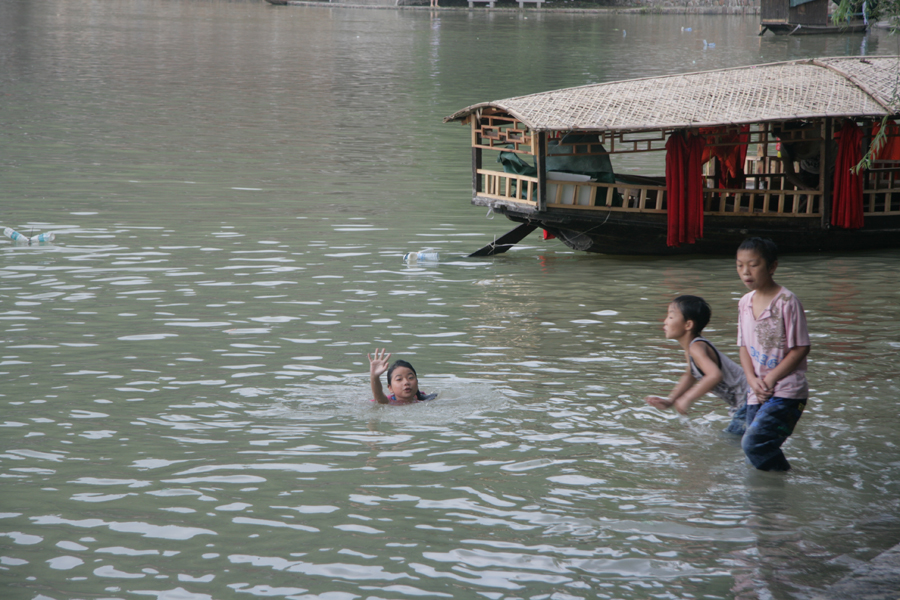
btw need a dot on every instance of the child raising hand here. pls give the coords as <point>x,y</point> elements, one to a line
<point>402,381</point>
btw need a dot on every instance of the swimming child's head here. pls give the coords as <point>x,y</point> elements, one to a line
<point>403,381</point>
<point>687,313</point>
<point>757,259</point>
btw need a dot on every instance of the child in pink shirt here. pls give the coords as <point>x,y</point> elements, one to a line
<point>773,344</point>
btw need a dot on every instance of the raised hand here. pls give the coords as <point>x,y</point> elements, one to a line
<point>379,363</point>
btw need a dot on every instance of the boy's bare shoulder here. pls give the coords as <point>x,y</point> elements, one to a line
<point>702,348</point>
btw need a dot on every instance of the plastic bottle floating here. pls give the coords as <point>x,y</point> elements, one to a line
<point>19,238</point>
<point>16,236</point>
<point>426,255</point>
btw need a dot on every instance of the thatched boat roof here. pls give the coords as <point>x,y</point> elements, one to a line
<point>823,87</point>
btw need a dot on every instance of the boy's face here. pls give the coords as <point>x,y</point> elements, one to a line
<point>403,384</point>
<point>753,270</point>
<point>675,326</point>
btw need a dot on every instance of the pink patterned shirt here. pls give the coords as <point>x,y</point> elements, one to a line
<point>780,327</point>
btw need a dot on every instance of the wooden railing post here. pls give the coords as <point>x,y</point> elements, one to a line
<point>541,170</point>
<point>476,159</point>
<point>825,178</point>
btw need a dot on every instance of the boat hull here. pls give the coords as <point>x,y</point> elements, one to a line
<point>782,28</point>
<point>626,233</point>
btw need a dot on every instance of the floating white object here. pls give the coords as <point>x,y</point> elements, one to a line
<point>422,256</point>
<point>16,236</point>
<point>19,238</point>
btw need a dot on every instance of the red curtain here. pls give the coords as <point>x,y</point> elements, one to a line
<point>684,188</point>
<point>731,154</point>
<point>891,148</point>
<point>847,199</point>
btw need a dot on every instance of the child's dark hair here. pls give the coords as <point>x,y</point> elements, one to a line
<point>696,309</point>
<point>399,363</point>
<point>765,247</point>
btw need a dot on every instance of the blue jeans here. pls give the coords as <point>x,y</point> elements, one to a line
<point>738,421</point>
<point>768,426</point>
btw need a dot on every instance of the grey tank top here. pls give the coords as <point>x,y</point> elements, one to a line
<point>733,387</point>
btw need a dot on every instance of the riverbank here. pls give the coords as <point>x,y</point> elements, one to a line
<point>548,7</point>
<point>878,579</point>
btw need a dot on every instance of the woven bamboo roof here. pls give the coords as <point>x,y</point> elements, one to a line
<point>824,87</point>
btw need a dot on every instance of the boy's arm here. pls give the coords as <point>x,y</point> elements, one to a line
<point>712,375</point>
<point>684,384</point>
<point>797,338</point>
<point>787,366</point>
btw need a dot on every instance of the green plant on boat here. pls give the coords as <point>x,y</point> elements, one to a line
<point>878,10</point>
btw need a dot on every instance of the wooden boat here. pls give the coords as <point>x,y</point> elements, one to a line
<point>558,150</point>
<point>790,17</point>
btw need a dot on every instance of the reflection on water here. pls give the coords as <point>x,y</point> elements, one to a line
<point>185,404</point>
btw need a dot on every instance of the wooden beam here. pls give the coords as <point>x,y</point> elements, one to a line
<point>476,161</point>
<point>825,178</point>
<point>505,241</point>
<point>541,169</point>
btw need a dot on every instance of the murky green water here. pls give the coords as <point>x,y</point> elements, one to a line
<point>183,376</point>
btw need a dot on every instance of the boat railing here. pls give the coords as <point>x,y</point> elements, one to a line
<point>769,203</point>
<point>881,189</point>
<point>593,195</point>
<point>763,197</point>
<point>645,198</point>
<point>499,185</point>
<point>587,195</point>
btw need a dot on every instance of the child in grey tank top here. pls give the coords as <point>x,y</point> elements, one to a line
<point>707,369</point>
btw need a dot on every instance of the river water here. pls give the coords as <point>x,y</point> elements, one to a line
<point>184,378</point>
